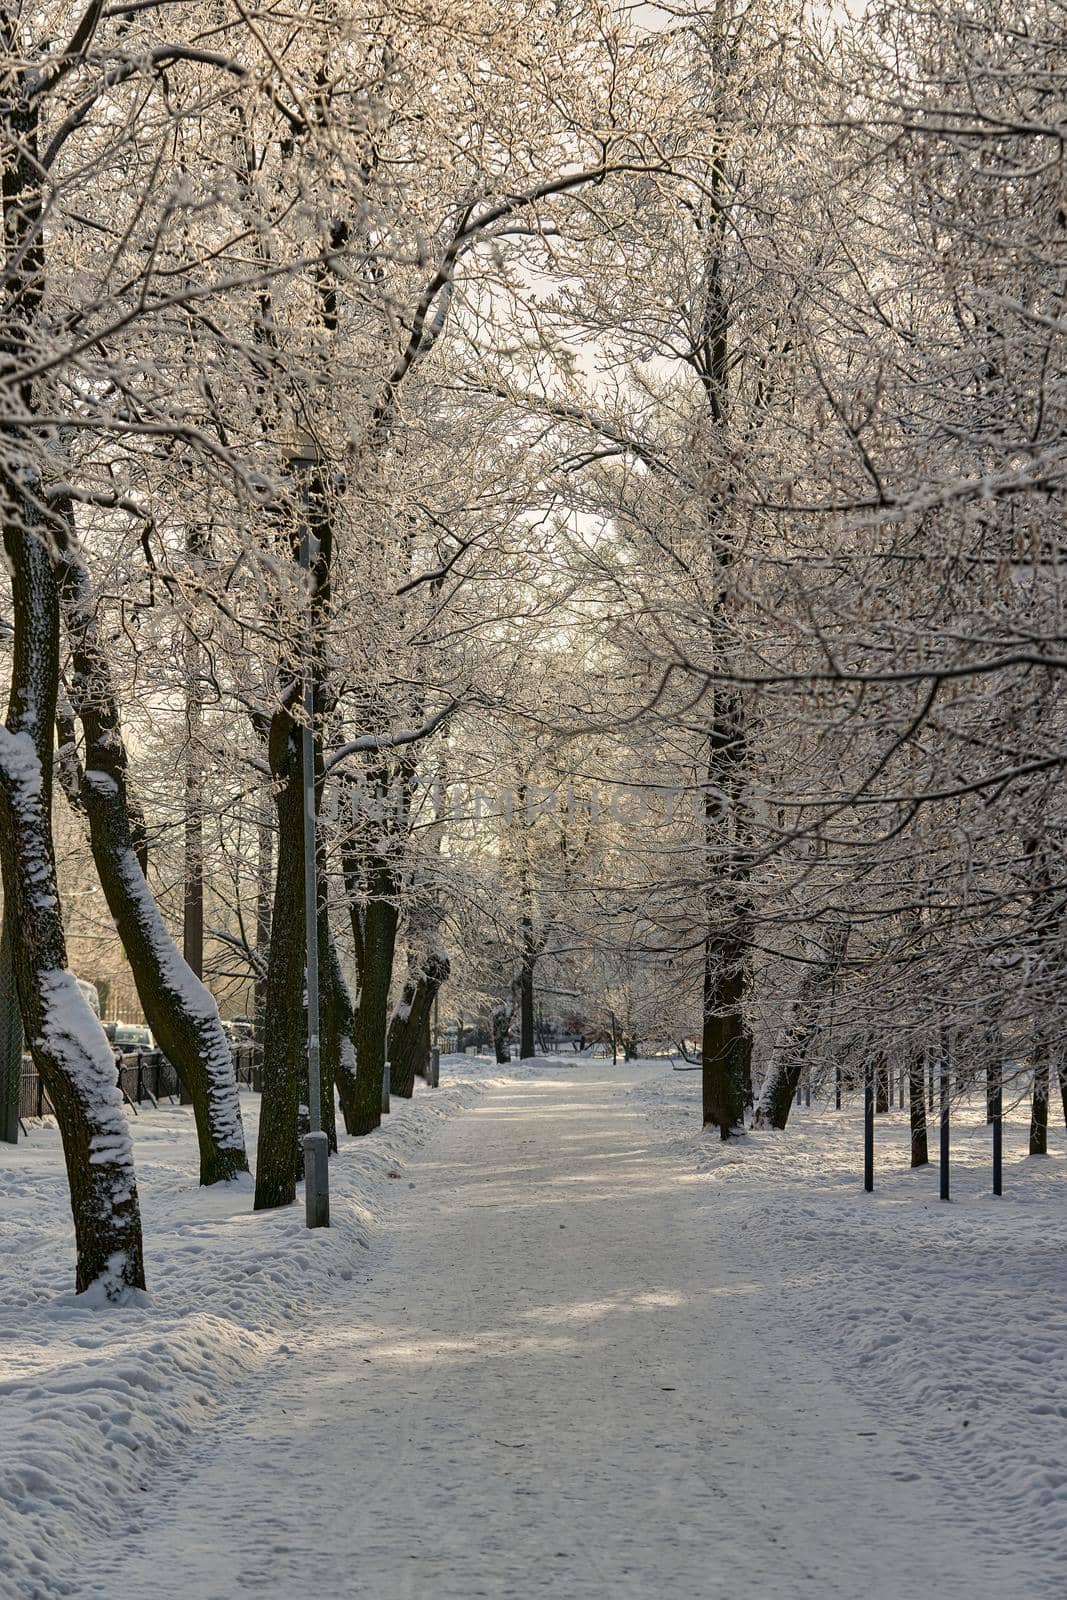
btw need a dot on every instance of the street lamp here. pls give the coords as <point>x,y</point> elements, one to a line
<point>304,459</point>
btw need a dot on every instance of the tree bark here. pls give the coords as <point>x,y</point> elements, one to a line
<point>527,962</point>
<point>284,1034</point>
<point>881,1084</point>
<point>69,1048</point>
<point>10,1037</point>
<point>500,1017</point>
<point>180,1010</point>
<point>339,999</point>
<point>1039,1104</point>
<point>917,1108</point>
<point>372,1018</point>
<point>794,1035</point>
<point>726,1047</point>
<point>427,971</point>
<point>264,878</point>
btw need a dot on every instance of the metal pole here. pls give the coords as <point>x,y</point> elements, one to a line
<point>868,1126</point>
<point>998,1126</point>
<point>316,1146</point>
<point>945,1068</point>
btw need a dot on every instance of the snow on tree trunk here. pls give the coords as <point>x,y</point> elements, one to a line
<point>180,1010</point>
<point>69,1048</point>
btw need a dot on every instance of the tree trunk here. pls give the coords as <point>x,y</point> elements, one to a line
<point>881,1085</point>
<point>501,1016</point>
<point>10,1037</point>
<point>726,1048</point>
<point>527,959</point>
<point>264,879</point>
<point>527,1047</point>
<point>284,1033</point>
<point>917,1106</point>
<point>337,997</point>
<point>332,1030</point>
<point>69,1048</point>
<point>193,874</point>
<point>1039,1106</point>
<point>407,1030</point>
<point>795,1033</point>
<point>379,943</point>
<point>180,1010</point>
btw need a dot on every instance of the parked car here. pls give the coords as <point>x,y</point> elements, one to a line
<point>130,1036</point>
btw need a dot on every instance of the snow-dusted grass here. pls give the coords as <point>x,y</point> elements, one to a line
<point>93,1398</point>
<point>949,1320</point>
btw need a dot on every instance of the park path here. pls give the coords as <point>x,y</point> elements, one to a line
<point>548,1388</point>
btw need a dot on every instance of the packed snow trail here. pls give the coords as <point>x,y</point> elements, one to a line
<point>559,1382</point>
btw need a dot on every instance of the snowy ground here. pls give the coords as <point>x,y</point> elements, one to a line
<point>571,1349</point>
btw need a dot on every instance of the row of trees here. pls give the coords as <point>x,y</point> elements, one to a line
<point>645,433</point>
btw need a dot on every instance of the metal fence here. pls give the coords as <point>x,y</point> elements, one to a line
<point>142,1075</point>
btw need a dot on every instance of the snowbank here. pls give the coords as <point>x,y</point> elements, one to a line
<point>93,1398</point>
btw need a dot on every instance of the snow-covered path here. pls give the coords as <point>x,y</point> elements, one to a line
<point>559,1382</point>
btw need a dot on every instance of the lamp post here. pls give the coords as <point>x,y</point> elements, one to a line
<point>305,458</point>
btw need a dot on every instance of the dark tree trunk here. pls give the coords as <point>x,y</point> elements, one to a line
<point>917,1106</point>
<point>69,1048</point>
<point>264,879</point>
<point>1062,1065</point>
<point>794,1036</point>
<point>337,997</point>
<point>10,1037</point>
<point>284,1034</point>
<point>180,1011</point>
<point>1039,1105</point>
<point>881,1085</point>
<point>726,1048</point>
<point>332,1030</point>
<point>372,1018</point>
<point>407,1030</point>
<point>500,1017</point>
<point>193,876</point>
<point>527,1047</point>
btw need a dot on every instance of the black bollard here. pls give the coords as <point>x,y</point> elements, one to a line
<point>868,1127</point>
<point>997,1119</point>
<point>944,1112</point>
